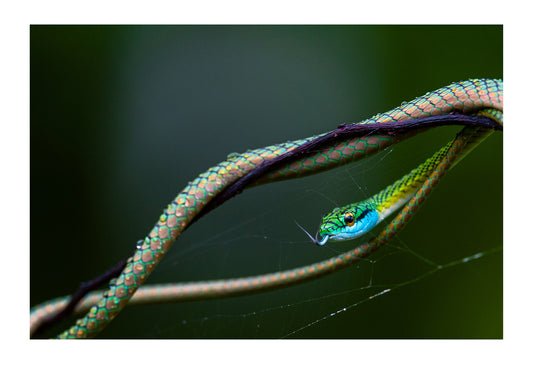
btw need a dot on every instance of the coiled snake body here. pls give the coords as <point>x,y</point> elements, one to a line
<point>481,97</point>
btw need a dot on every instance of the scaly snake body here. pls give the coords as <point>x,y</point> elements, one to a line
<point>466,97</point>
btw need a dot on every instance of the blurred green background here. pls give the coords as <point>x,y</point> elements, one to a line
<point>122,117</point>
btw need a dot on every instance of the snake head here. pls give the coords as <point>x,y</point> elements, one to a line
<point>348,222</point>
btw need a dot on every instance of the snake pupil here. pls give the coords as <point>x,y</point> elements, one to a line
<point>349,219</point>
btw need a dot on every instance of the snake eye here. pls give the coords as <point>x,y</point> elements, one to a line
<point>349,219</point>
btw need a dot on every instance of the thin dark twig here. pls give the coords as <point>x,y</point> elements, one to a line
<point>83,289</point>
<point>344,132</point>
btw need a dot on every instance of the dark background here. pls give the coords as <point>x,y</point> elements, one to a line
<point>123,117</point>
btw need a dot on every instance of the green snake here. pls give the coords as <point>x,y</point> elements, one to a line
<point>354,220</point>
<point>481,96</point>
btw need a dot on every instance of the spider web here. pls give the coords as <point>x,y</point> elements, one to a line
<point>436,279</point>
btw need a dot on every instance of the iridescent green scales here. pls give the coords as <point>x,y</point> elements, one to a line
<point>465,97</point>
<point>396,194</point>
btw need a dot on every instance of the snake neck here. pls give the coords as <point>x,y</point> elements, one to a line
<point>398,193</point>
